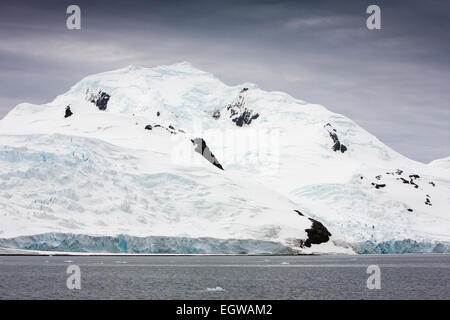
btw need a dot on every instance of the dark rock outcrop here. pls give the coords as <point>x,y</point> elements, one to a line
<point>299,213</point>
<point>68,112</point>
<point>239,113</point>
<point>246,117</point>
<point>216,114</point>
<point>338,146</point>
<point>170,128</point>
<point>148,127</point>
<point>201,147</point>
<point>414,184</point>
<point>100,100</point>
<point>317,234</point>
<point>410,181</point>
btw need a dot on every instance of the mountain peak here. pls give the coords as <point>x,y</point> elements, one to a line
<point>178,66</point>
<point>183,66</point>
<point>177,87</point>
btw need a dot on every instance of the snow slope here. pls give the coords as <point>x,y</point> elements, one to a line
<point>441,163</point>
<point>128,161</point>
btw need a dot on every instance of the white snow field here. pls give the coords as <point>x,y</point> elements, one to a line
<point>126,165</point>
<point>442,163</point>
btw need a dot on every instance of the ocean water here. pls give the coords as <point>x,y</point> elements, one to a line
<point>225,277</point>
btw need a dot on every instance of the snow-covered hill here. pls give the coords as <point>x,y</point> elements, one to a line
<point>441,163</point>
<point>173,153</point>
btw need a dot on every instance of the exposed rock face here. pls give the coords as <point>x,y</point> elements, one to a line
<point>68,112</point>
<point>414,184</point>
<point>338,146</point>
<point>317,234</point>
<point>148,127</point>
<point>216,114</point>
<point>245,117</point>
<point>170,128</point>
<point>100,99</point>
<point>409,182</point>
<point>413,180</point>
<point>239,113</point>
<point>201,147</point>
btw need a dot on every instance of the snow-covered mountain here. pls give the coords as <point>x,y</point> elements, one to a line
<point>170,159</point>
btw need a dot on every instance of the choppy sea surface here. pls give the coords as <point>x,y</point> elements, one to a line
<point>225,277</point>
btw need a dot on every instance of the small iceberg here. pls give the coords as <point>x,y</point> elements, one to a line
<point>216,289</point>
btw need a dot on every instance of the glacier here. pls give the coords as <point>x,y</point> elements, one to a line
<point>401,247</point>
<point>125,163</point>
<point>63,242</point>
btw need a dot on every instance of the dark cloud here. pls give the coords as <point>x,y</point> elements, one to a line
<point>393,81</point>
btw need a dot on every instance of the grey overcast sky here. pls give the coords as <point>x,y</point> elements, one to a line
<point>394,82</point>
